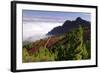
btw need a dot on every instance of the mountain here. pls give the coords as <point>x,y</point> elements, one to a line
<point>69,25</point>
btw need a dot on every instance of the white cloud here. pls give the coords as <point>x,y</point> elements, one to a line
<point>38,28</point>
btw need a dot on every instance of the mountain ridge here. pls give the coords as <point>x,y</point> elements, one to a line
<point>68,25</point>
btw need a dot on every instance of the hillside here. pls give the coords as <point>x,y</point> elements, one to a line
<point>69,25</point>
<point>72,45</point>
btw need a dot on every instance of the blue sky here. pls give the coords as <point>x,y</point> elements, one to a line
<point>51,16</point>
<point>41,22</point>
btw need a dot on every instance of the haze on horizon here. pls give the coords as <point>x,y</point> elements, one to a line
<point>37,23</point>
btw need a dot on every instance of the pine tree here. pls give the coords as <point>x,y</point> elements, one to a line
<point>75,47</point>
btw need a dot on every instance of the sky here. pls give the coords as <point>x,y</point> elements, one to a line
<point>41,22</point>
<point>51,16</point>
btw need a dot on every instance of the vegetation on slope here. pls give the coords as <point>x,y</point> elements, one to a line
<point>69,46</point>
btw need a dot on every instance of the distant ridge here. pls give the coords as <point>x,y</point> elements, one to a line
<point>68,25</point>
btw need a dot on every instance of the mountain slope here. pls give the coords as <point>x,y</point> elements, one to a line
<point>69,25</point>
